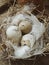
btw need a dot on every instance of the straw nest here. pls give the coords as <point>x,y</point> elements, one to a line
<point>3,2</point>
<point>42,45</point>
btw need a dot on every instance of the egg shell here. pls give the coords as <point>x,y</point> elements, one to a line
<point>38,28</point>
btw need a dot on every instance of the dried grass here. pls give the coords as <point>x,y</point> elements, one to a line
<point>44,39</point>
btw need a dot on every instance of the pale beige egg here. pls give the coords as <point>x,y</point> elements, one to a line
<point>25,26</point>
<point>28,40</point>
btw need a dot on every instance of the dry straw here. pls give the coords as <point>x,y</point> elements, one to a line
<point>39,49</point>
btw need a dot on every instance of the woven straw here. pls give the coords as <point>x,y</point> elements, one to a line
<point>2,2</point>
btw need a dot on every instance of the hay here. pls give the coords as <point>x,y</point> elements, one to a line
<point>44,40</point>
<point>3,2</point>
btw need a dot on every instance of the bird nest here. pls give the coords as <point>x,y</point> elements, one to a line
<point>39,48</point>
<point>2,2</point>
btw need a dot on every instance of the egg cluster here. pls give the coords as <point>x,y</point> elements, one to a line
<point>23,33</point>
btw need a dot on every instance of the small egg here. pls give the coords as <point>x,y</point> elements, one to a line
<point>28,40</point>
<point>13,33</point>
<point>25,26</point>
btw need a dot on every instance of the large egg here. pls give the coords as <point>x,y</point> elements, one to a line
<point>13,33</point>
<point>25,26</point>
<point>28,40</point>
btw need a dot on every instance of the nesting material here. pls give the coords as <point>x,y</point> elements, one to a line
<point>21,52</point>
<point>26,8</point>
<point>33,30</point>
<point>38,27</point>
<point>17,19</point>
<point>27,23</point>
<point>3,2</point>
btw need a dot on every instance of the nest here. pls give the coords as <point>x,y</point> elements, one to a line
<point>39,49</point>
<point>3,2</point>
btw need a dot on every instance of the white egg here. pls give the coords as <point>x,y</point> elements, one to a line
<point>28,40</point>
<point>21,52</point>
<point>13,33</point>
<point>17,19</point>
<point>25,26</point>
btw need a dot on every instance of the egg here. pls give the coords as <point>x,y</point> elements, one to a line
<point>22,52</point>
<point>14,34</point>
<point>28,40</point>
<point>25,26</point>
<point>17,19</point>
